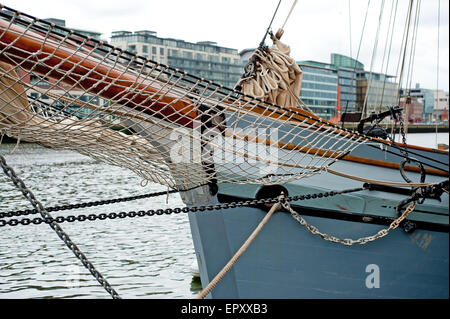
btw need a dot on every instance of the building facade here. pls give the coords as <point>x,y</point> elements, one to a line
<point>319,89</point>
<point>203,59</point>
<point>426,96</point>
<point>375,92</point>
<point>347,70</point>
<point>62,23</point>
<point>441,105</point>
<point>413,108</point>
<point>43,95</point>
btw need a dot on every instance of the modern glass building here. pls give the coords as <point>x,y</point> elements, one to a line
<point>87,33</point>
<point>204,59</point>
<point>319,89</point>
<point>347,70</point>
<point>344,61</point>
<point>376,92</point>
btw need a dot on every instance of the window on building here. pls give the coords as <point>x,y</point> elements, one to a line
<point>37,80</point>
<point>161,51</point>
<point>34,95</point>
<point>153,50</point>
<point>187,54</point>
<point>84,98</point>
<point>145,48</point>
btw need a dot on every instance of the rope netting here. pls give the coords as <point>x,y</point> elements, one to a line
<point>66,91</point>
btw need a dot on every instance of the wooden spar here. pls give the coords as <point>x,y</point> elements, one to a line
<point>333,154</point>
<point>44,56</point>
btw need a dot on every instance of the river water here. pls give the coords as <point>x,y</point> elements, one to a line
<point>141,257</point>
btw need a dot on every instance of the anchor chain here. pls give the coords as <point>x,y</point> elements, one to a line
<point>168,211</point>
<point>403,150</point>
<point>54,225</point>
<point>418,195</point>
<point>348,241</point>
<point>92,203</point>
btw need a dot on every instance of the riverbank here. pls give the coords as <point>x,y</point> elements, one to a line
<point>414,128</point>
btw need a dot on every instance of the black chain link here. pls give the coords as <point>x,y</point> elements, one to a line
<point>403,150</point>
<point>54,225</point>
<point>168,211</point>
<point>54,222</point>
<point>92,203</point>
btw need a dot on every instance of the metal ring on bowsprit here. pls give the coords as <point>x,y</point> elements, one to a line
<point>402,170</point>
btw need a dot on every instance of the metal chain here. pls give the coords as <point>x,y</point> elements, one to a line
<point>168,211</point>
<point>347,241</point>
<point>403,150</point>
<point>54,225</point>
<point>92,203</point>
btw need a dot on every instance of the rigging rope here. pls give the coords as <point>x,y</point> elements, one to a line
<point>392,96</point>
<point>402,56</point>
<point>382,62</point>
<point>437,59</point>
<point>412,52</point>
<point>374,51</point>
<point>289,14</point>
<point>357,55</point>
<point>239,253</point>
<point>350,27</point>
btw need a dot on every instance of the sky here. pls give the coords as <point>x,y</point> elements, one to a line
<point>314,30</point>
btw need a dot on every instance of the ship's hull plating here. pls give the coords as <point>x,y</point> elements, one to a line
<point>287,261</point>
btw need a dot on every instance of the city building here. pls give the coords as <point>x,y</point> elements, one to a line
<point>319,90</point>
<point>376,92</point>
<point>440,113</point>
<point>246,54</point>
<point>203,59</point>
<point>46,90</point>
<point>426,96</point>
<point>62,23</point>
<point>413,108</point>
<point>347,71</point>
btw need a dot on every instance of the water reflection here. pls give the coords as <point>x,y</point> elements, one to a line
<point>141,257</point>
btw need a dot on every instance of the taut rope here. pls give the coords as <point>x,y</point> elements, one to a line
<point>239,253</point>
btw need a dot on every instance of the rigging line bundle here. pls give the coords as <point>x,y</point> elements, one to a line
<point>374,51</point>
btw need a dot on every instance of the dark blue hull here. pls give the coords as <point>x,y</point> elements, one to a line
<point>287,261</point>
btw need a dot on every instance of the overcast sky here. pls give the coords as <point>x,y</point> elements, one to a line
<point>315,29</point>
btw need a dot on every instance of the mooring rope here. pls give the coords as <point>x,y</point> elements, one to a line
<point>239,253</point>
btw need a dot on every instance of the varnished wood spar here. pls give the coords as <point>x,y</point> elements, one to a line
<point>307,119</point>
<point>49,58</point>
<point>332,154</point>
<point>63,62</point>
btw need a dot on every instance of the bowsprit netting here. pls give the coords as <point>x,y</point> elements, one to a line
<point>67,91</point>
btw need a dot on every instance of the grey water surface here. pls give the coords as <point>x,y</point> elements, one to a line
<point>141,257</point>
